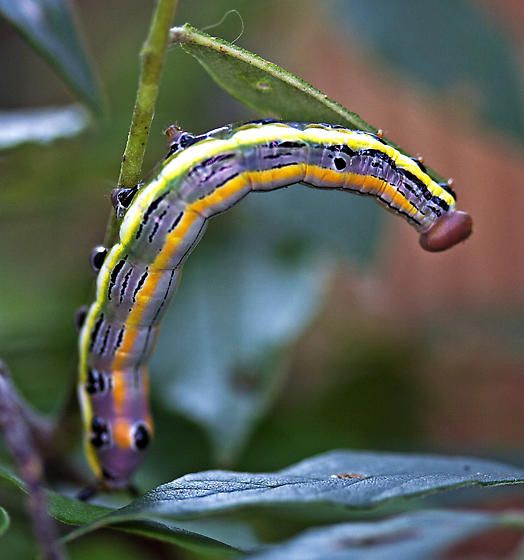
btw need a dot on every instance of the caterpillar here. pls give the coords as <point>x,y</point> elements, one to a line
<point>162,221</point>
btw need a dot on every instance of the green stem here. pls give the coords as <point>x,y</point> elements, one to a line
<point>152,58</point>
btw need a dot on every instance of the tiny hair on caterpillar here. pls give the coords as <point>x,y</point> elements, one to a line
<point>162,221</point>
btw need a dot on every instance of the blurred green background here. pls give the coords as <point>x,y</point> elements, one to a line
<point>305,321</point>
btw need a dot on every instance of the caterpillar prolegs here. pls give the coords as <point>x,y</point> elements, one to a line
<point>163,220</point>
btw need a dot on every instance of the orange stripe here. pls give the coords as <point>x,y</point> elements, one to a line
<point>371,185</point>
<point>122,433</point>
<point>291,173</point>
<point>119,390</point>
<point>148,289</point>
<point>225,192</point>
<point>173,241</point>
<point>127,345</point>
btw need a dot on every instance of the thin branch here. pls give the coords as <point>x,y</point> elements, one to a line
<point>20,443</point>
<point>152,58</point>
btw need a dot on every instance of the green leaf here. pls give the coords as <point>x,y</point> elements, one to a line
<point>72,511</point>
<point>48,25</point>
<point>200,536</point>
<point>196,540</point>
<point>352,479</point>
<point>424,534</point>
<point>40,126</point>
<point>337,482</point>
<point>63,508</point>
<point>264,86</point>
<point>190,511</point>
<point>4,521</point>
<point>217,537</point>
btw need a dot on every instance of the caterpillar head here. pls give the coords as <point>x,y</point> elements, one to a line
<point>116,449</point>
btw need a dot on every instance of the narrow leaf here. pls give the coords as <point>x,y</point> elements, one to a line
<point>264,86</point>
<point>353,479</point>
<point>40,126</point>
<point>48,25</point>
<point>336,483</point>
<point>188,511</point>
<point>4,521</point>
<point>424,534</point>
<point>218,537</point>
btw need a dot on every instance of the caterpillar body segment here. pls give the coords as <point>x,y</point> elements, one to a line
<point>163,220</point>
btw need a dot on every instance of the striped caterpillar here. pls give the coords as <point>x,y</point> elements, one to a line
<point>164,219</point>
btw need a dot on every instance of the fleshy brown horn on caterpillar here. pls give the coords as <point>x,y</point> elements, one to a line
<point>448,230</point>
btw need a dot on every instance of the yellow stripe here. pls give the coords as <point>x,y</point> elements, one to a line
<point>253,136</point>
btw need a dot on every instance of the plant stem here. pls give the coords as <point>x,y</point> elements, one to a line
<point>20,443</point>
<point>152,58</point>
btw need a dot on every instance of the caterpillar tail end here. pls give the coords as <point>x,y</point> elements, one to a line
<point>448,230</point>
